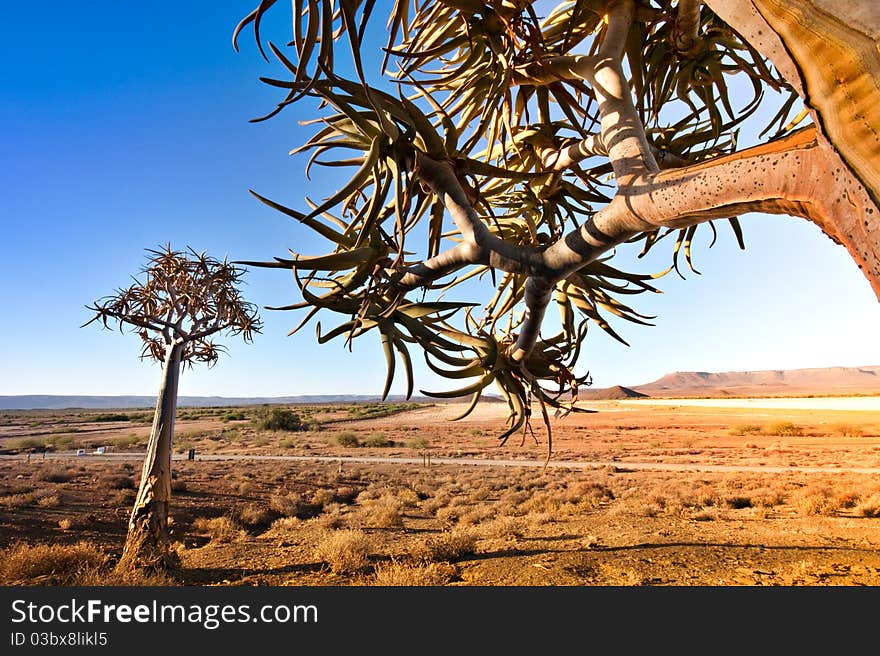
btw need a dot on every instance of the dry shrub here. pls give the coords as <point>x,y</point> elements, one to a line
<point>848,499</point>
<point>815,501</point>
<point>347,438</point>
<point>323,497</point>
<point>331,521</point>
<point>649,505</point>
<point>345,494</point>
<point>346,551</point>
<point>541,502</point>
<point>51,501</point>
<point>589,492</point>
<point>449,514</point>
<point>220,529</point>
<point>744,429</point>
<point>22,499</point>
<point>476,515</point>
<point>846,430</point>
<point>9,490</point>
<point>784,429</point>
<point>287,505</point>
<point>383,513</point>
<point>502,528</point>
<point>448,545</point>
<point>372,491</point>
<point>286,524</point>
<point>414,574</point>
<point>737,502</point>
<point>255,516</point>
<point>768,499</point>
<point>436,503</point>
<point>538,519</point>
<point>377,440</point>
<point>703,515</point>
<point>178,485</point>
<point>479,493</point>
<point>117,482</point>
<point>869,507</point>
<point>54,475</point>
<point>66,524</point>
<point>50,564</point>
<point>246,487</point>
<point>409,497</point>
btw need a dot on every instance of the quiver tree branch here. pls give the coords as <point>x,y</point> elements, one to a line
<point>497,133</point>
<point>685,34</point>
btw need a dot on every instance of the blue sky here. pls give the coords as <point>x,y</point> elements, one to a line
<point>125,128</point>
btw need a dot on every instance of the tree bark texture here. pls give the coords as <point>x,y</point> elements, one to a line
<point>828,51</point>
<point>147,543</point>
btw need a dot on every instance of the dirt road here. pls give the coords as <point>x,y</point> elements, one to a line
<point>483,462</point>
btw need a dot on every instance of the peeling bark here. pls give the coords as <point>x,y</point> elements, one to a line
<point>147,542</point>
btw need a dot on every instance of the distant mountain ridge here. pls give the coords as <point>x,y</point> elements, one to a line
<point>832,381</point>
<point>61,402</point>
<point>610,393</point>
<point>787,382</point>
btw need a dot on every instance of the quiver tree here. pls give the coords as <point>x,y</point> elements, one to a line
<point>183,301</point>
<point>548,136</point>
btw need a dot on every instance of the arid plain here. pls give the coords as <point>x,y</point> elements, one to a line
<point>641,492</point>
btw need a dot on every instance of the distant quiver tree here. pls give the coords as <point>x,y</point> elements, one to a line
<point>517,143</point>
<point>184,299</point>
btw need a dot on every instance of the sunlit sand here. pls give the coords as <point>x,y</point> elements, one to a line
<point>861,403</point>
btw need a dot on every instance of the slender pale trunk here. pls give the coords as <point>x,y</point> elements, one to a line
<point>147,544</point>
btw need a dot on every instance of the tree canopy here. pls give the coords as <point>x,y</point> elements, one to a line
<point>184,298</point>
<point>514,144</point>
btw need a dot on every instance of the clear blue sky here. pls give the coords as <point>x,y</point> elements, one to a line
<point>125,126</point>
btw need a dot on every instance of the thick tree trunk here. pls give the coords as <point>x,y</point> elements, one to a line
<point>147,543</point>
<point>828,51</point>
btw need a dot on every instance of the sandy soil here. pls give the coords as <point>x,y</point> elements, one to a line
<point>849,403</point>
<point>790,509</point>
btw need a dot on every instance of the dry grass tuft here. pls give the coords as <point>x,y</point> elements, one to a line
<point>784,429</point>
<point>50,564</point>
<point>286,525</point>
<point>220,529</point>
<point>346,551</point>
<point>745,429</point>
<point>255,516</point>
<point>116,482</point>
<point>704,515</point>
<point>413,574</point>
<point>815,501</point>
<point>737,502</point>
<point>54,475</point>
<point>51,501</point>
<point>503,528</point>
<point>384,512</point>
<point>287,505</point>
<point>22,499</point>
<point>323,497</point>
<point>869,507</point>
<point>347,438</point>
<point>453,544</point>
<point>846,430</point>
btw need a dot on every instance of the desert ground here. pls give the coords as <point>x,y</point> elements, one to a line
<point>637,493</point>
